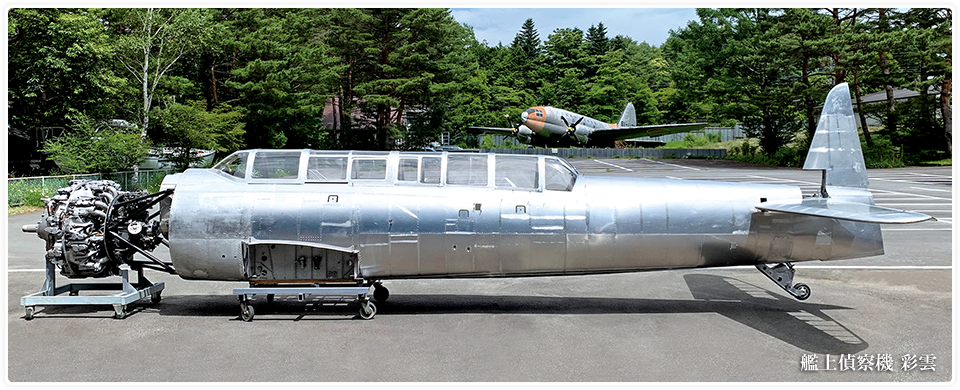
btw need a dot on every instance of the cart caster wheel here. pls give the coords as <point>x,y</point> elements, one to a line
<point>119,312</point>
<point>380,293</point>
<point>367,310</point>
<point>246,312</point>
<point>29,313</point>
<point>74,293</point>
<point>803,291</point>
<point>155,298</point>
<point>270,298</point>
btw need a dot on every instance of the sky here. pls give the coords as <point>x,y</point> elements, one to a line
<point>651,25</point>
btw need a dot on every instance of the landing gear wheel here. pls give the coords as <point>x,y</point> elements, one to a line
<point>29,313</point>
<point>155,298</point>
<point>367,310</point>
<point>803,291</point>
<point>380,293</point>
<point>119,312</point>
<point>269,298</point>
<point>246,312</point>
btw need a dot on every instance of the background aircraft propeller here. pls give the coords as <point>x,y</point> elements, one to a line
<point>513,128</point>
<point>572,129</point>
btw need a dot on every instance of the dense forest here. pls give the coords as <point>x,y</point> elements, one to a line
<point>226,79</point>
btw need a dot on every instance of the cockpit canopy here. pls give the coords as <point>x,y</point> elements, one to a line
<point>502,172</point>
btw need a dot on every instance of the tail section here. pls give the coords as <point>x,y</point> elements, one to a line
<point>836,144</point>
<point>629,116</point>
<point>835,150</point>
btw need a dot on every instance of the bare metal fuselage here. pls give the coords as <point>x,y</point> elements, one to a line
<point>402,230</point>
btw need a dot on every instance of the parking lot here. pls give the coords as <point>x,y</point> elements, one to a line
<point>729,324</point>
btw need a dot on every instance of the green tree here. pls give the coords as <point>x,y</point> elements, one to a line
<point>284,76</point>
<point>90,146</point>
<point>597,41</point>
<point>150,43</point>
<point>414,64</point>
<point>737,59</point>
<point>59,63</point>
<point>186,127</point>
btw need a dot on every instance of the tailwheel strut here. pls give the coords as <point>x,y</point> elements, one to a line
<point>782,274</point>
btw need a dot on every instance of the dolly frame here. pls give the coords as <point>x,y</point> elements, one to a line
<point>367,309</point>
<point>49,294</point>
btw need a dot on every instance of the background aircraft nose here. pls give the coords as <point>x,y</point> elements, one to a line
<point>523,117</point>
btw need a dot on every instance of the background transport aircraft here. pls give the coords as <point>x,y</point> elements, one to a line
<point>553,127</point>
<point>303,222</point>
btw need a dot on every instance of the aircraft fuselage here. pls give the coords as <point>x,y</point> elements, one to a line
<point>489,223</point>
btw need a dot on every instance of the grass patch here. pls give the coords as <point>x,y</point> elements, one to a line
<point>942,163</point>
<point>16,210</point>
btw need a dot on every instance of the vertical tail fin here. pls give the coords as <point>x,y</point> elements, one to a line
<point>629,116</point>
<point>835,148</point>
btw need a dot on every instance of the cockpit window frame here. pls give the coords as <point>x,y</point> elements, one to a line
<point>562,163</point>
<point>219,167</point>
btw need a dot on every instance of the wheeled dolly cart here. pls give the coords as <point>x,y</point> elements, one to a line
<point>130,293</point>
<point>367,309</point>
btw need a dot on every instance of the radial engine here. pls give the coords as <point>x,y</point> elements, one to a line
<point>92,227</point>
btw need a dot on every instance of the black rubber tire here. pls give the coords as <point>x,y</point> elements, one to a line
<point>803,290</point>
<point>246,312</point>
<point>155,298</point>
<point>380,293</point>
<point>29,313</point>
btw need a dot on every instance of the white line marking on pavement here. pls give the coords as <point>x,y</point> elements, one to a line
<point>931,189</point>
<point>917,229</point>
<point>672,165</point>
<point>26,270</point>
<point>877,267</point>
<point>614,165</point>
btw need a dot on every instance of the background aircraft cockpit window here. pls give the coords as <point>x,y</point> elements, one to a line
<point>464,169</point>
<point>235,165</point>
<point>558,176</point>
<point>430,174</point>
<point>324,168</point>
<point>276,165</point>
<point>516,172</point>
<point>369,169</point>
<point>408,170</point>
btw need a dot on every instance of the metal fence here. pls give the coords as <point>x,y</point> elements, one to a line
<point>29,190</point>
<point>615,153</point>
<point>726,134</point>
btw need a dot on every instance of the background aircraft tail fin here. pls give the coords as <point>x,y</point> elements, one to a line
<point>835,148</point>
<point>629,116</point>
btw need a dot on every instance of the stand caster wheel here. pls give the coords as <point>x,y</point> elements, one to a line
<point>367,310</point>
<point>29,313</point>
<point>119,312</point>
<point>380,293</point>
<point>803,291</point>
<point>246,312</point>
<point>270,298</point>
<point>155,298</point>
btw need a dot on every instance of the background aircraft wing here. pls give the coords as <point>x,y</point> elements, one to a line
<point>625,132</point>
<point>493,130</point>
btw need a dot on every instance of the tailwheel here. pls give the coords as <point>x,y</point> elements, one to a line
<point>802,291</point>
<point>782,274</point>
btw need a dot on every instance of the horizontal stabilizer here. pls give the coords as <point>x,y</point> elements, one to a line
<point>857,212</point>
